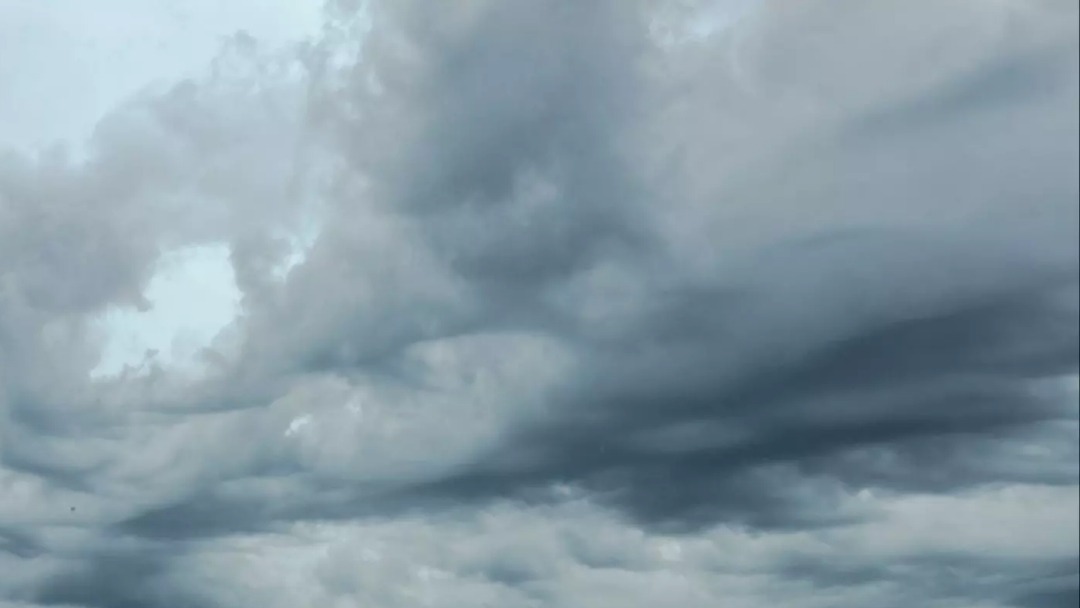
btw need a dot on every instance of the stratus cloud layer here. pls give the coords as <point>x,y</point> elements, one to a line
<point>601,313</point>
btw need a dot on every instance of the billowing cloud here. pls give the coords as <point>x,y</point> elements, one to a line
<point>607,303</point>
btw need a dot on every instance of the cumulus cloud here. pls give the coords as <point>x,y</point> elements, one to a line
<point>610,303</point>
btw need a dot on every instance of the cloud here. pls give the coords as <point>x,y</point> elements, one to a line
<point>602,310</point>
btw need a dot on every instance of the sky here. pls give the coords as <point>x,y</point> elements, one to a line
<point>737,303</point>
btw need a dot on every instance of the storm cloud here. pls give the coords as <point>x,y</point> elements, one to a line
<point>607,303</point>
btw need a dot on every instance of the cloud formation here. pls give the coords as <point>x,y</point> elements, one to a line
<point>604,309</point>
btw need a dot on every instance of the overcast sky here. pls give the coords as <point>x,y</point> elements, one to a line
<point>529,304</point>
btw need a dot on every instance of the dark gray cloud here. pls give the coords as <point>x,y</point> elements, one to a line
<point>601,311</point>
<point>128,579</point>
<point>1050,598</point>
<point>675,436</point>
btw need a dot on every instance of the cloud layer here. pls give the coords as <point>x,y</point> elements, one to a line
<point>604,309</point>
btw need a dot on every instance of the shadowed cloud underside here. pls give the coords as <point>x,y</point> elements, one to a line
<point>605,307</point>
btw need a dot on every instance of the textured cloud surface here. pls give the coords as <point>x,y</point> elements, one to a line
<point>607,303</point>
